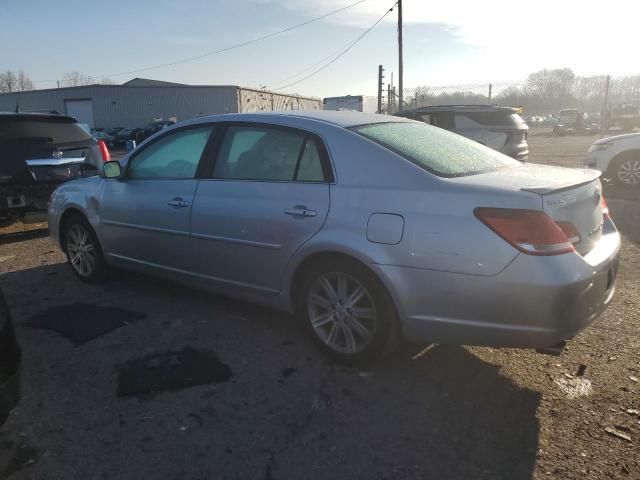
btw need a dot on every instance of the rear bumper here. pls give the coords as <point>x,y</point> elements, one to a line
<point>520,152</point>
<point>534,302</point>
<point>18,200</point>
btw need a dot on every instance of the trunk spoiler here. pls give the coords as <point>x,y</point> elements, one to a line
<point>590,176</point>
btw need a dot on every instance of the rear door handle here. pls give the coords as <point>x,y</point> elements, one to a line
<point>301,212</point>
<point>178,203</point>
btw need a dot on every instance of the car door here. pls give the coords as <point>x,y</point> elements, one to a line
<point>145,216</point>
<point>267,194</point>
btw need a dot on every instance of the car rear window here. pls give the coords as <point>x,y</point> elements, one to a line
<point>438,151</point>
<point>41,130</point>
<point>493,118</point>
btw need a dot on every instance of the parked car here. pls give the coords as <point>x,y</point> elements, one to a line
<point>126,134</point>
<point>38,152</point>
<point>105,137</point>
<point>573,121</point>
<point>617,157</point>
<point>113,131</point>
<point>9,362</point>
<point>153,128</point>
<point>500,128</point>
<point>367,226</point>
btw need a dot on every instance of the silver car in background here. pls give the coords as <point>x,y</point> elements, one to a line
<point>500,128</point>
<point>367,227</point>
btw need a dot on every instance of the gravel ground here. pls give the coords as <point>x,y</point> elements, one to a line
<point>285,412</point>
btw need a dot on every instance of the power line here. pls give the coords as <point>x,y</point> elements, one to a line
<point>226,49</point>
<point>344,51</point>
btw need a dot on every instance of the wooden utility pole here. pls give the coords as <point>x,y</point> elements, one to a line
<point>399,55</point>
<point>380,86</point>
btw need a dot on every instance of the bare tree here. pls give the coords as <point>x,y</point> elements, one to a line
<point>76,79</point>
<point>24,82</point>
<point>8,82</point>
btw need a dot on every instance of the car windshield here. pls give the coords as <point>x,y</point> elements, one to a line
<point>438,151</point>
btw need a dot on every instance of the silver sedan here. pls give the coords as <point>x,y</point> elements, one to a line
<point>369,228</point>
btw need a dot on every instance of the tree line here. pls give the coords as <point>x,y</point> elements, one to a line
<point>543,92</point>
<point>11,81</point>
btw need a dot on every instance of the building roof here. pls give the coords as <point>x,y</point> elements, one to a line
<point>147,82</point>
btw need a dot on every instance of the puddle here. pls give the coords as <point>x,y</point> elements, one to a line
<point>81,322</point>
<point>574,387</point>
<point>170,371</point>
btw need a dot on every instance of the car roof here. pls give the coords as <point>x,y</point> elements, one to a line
<point>343,119</point>
<point>38,116</point>
<point>459,108</point>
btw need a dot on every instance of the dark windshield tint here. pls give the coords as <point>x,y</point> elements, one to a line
<point>43,131</point>
<point>439,151</point>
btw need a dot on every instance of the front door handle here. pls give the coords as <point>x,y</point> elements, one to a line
<point>178,203</point>
<point>301,211</point>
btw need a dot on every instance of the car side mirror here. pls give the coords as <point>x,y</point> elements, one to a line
<point>112,169</point>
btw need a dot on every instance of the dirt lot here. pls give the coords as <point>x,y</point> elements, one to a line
<point>271,407</point>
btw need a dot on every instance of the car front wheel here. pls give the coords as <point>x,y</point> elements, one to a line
<point>348,311</point>
<point>625,170</point>
<point>83,250</point>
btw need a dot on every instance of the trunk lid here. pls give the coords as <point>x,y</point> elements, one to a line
<point>566,195</point>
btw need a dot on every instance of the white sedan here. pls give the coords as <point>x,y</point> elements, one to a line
<point>618,158</point>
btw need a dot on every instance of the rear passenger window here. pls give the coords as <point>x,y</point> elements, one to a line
<point>310,169</point>
<point>268,154</point>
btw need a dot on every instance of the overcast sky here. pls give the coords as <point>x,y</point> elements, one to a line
<point>445,42</point>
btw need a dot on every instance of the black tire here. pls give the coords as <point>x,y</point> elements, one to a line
<point>385,333</point>
<point>98,271</point>
<point>628,160</point>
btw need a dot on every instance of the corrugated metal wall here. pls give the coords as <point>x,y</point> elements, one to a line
<point>121,106</point>
<point>125,106</point>
<point>262,100</point>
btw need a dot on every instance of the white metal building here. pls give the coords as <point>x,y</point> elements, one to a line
<point>140,101</point>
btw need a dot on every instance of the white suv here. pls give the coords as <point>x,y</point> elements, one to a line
<point>618,158</point>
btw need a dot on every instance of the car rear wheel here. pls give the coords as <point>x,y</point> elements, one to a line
<point>83,250</point>
<point>348,311</point>
<point>625,170</point>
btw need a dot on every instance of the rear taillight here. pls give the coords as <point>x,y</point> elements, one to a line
<point>605,208</point>
<point>104,151</point>
<point>570,230</point>
<point>530,231</point>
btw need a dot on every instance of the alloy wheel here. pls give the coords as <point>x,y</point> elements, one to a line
<point>342,312</point>
<point>81,250</point>
<point>629,172</point>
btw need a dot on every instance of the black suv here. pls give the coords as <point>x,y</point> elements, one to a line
<point>9,363</point>
<point>38,152</point>
<point>500,128</point>
<point>154,127</point>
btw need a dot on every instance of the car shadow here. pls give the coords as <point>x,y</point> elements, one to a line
<point>446,414</point>
<point>440,412</point>
<point>22,236</point>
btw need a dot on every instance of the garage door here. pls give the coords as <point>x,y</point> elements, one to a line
<point>81,110</point>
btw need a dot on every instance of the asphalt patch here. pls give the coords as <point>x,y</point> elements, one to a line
<point>170,371</point>
<point>14,458</point>
<point>81,322</point>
